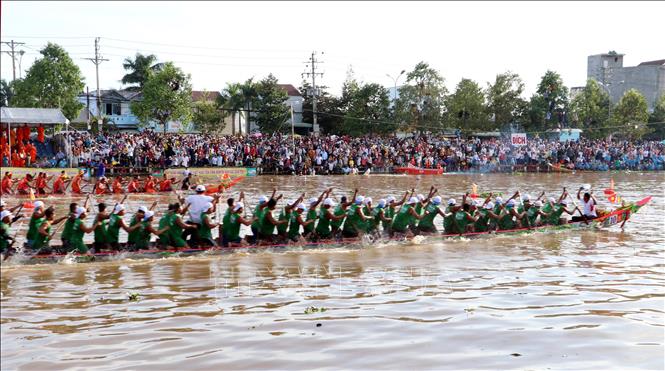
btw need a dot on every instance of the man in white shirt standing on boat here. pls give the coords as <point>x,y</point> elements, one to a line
<point>588,204</point>
<point>198,203</point>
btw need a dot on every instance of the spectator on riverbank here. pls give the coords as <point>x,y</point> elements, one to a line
<point>341,155</point>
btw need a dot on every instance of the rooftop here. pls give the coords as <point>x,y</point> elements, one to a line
<point>658,62</point>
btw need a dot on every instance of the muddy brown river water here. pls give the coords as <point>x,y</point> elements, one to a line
<point>559,300</point>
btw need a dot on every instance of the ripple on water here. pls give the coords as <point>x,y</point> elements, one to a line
<point>571,300</point>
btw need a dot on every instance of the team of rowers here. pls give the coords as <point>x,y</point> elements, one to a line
<point>316,219</point>
<point>38,184</point>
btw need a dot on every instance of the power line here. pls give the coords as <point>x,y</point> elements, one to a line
<point>12,45</point>
<point>313,61</point>
<point>97,60</point>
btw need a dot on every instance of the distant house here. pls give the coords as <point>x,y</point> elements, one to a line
<point>115,106</point>
<point>116,109</point>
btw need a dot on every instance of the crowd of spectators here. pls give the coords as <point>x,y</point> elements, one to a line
<point>340,154</point>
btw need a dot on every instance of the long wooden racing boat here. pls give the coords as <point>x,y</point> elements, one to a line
<point>617,216</point>
<point>418,171</point>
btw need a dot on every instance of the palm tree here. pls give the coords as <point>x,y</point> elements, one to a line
<point>249,95</point>
<point>140,68</point>
<point>232,99</point>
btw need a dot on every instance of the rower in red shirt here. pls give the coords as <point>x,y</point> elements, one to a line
<point>117,185</point>
<point>24,185</point>
<point>41,183</point>
<point>133,186</point>
<point>150,185</point>
<point>101,186</point>
<point>7,183</point>
<point>76,182</point>
<point>59,184</point>
<point>166,185</point>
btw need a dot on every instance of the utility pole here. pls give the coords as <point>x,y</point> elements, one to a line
<point>97,60</point>
<point>12,45</point>
<point>312,62</point>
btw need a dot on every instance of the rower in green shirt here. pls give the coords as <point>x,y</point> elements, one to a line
<point>205,229</point>
<point>79,230</point>
<point>405,217</point>
<point>285,215</point>
<point>463,220</point>
<point>326,217</point>
<point>145,230</point>
<point>312,213</point>
<point>36,219</point>
<point>44,231</point>
<point>390,211</point>
<point>486,218</point>
<point>113,228</point>
<point>5,222</point>
<point>354,224</point>
<point>426,224</point>
<point>266,233</point>
<point>100,234</point>
<point>231,229</point>
<point>297,221</point>
<point>449,218</point>
<point>509,216</point>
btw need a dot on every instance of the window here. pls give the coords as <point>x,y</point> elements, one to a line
<point>112,109</point>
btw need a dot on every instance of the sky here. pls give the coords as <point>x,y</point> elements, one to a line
<point>222,42</point>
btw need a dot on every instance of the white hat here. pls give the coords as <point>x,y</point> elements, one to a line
<point>498,200</point>
<point>564,202</point>
<point>312,200</point>
<point>238,206</point>
<point>510,203</point>
<point>263,199</point>
<point>118,208</point>
<point>421,197</point>
<point>359,200</point>
<point>489,205</point>
<point>526,198</point>
<point>436,200</point>
<point>391,199</point>
<point>538,204</point>
<point>200,188</point>
<point>452,202</point>
<point>382,203</point>
<point>328,202</point>
<point>38,204</point>
<point>149,214</point>
<point>302,207</point>
<point>368,200</point>
<point>143,209</point>
<point>5,213</point>
<point>79,210</point>
<point>552,200</point>
<point>412,201</point>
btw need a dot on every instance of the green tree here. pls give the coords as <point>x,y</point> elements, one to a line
<point>6,93</point>
<point>167,96</point>
<point>421,100</point>
<point>232,101</point>
<point>466,107</point>
<point>331,115</point>
<point>271,110</point>
<point>140,68</point>
<point>657,117</point>
<point>505,104</point>
<point>368,110</point>
<point>207,116</point>
<point>548,107</point>
<point>250,94</point>
<point>590,110</point>
<point>53,81</point>
<point>630,115</point>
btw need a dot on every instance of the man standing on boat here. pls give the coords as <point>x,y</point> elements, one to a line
<point>197,204</point>
<point>588,205</point>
